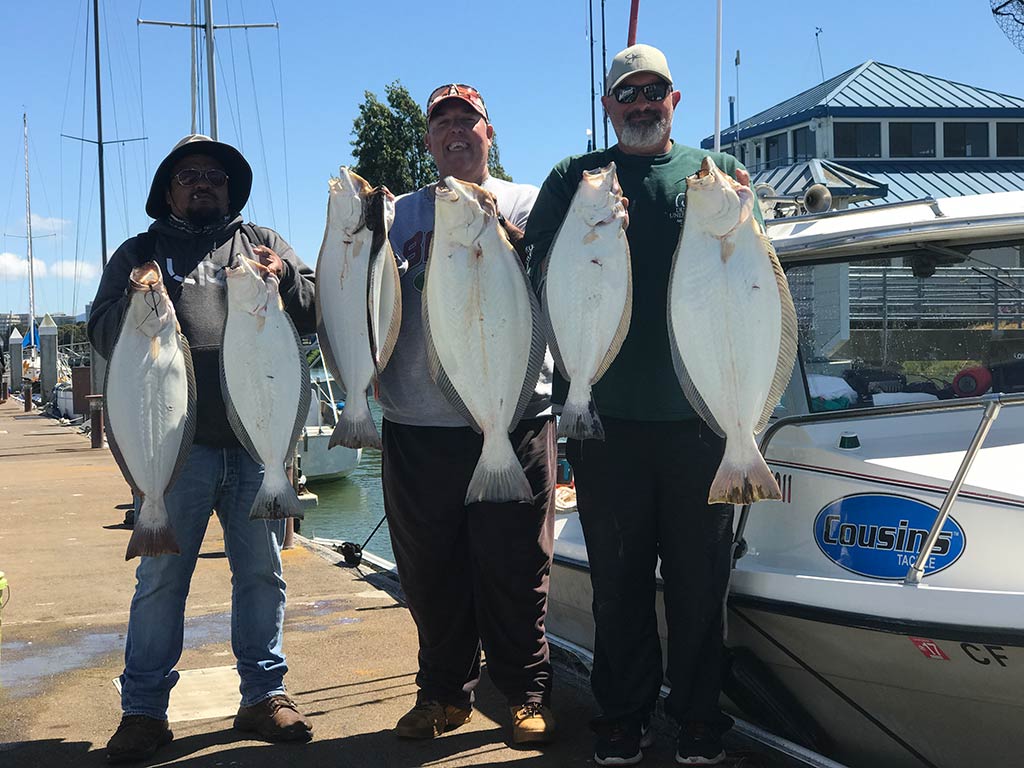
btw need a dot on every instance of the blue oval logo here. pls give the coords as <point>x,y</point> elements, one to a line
<point>880,536</point>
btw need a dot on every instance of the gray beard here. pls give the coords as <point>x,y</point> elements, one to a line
<point>645,135</point>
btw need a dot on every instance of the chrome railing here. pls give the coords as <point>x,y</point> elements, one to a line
<point>992,405</point>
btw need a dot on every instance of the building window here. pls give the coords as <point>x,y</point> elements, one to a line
<point>775,150</point>
<point>965,139</point>
<point>857,139</point>
<point>911,139</point>
<point>803,144</point>
<point>1010,139</point>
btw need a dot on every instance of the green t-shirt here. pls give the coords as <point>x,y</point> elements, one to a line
<point>641,382</point>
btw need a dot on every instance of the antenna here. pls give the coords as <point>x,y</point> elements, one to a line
<point>817,41</point>
<point>1009,15</point>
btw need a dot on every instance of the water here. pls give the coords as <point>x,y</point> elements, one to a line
<point>350,508</point>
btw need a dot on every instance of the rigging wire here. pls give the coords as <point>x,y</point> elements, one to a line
<point>259,127</point>
<point>234,81</point>
<point>7,218</point>
<point>284,133</point>
<point>117,129</point>
<point>46,199</point>
<point>80,224</point>
<point>142,91</point>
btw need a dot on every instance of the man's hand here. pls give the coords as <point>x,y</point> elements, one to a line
<point>743,177</point>
<point>269,259</point>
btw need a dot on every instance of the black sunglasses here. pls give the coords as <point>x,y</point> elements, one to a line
<point>189,177</point>
<point>626,94</point>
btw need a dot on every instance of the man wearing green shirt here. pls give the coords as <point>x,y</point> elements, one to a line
<point>642,492</point>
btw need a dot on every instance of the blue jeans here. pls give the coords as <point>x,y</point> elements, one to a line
<point>224,480</point>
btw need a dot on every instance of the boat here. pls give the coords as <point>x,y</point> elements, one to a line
<point>876,611</point>
<point>317,462</point>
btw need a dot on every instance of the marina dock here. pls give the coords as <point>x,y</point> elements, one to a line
<point>350,642</point>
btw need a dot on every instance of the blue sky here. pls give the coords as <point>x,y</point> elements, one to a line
<point>288,97</point>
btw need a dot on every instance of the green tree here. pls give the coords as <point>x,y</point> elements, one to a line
<point>388,143</point>
<point>494,166</point>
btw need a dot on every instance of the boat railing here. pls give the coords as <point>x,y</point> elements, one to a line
<point>991,405</point>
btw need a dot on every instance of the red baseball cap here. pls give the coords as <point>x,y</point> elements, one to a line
<point>466,93</point>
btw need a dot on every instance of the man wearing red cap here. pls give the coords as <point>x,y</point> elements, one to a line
<point>478,574</point>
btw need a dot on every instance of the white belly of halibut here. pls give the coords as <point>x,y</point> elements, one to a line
<point>587,303</point>
<point>342,275</point>
<point>485,347</point>
<point>266,388</point>
<point>150,416</point>
<point>733,329</point>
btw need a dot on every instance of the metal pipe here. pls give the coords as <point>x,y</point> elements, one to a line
<point>592,144</point>
<point>210,67</point>
<point>916,571</point>
<point>718,79</point>
<point>28,231</point>
<point>634,12</point>
<point>99,131</point>
<point>908,409</point>
<point>604,76</point>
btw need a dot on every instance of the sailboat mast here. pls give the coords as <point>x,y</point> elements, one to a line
<point>210,71</point>
<point>28,232</point>
<point>99,131</point>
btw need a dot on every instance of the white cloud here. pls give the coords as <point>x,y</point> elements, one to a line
<point>66,270</point>
<point>45,225</point>
<point>13,265</point>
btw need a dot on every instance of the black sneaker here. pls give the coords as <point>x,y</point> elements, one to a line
<point>619,745</point>
<point>699,744</point>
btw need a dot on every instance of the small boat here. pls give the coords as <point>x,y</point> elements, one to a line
<point>317,462</point>
<point>876,611</point>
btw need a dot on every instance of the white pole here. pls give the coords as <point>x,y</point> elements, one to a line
<point>718,80</point>
<point>28,232</point>
<point>192,34</point>
<point>210,65</point>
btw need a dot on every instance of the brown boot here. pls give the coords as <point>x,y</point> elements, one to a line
<point>532,723</point>
<point>429,719</point>
<point>137,738</point>
<point>276,718</point>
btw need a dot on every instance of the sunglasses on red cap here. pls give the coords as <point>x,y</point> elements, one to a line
<point>467,93</point>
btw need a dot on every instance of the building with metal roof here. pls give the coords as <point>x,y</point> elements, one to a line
<point>880,134</point>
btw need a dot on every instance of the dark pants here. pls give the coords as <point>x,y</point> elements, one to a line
<point>642,493</point>
<point>472,574</point>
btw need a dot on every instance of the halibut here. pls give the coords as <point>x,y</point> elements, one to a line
<point>485,344</point>
<point>732,327</point>
<point>587,298</point>
<point>150,405</point>
<point>358,299</point>
<point>265,382</point>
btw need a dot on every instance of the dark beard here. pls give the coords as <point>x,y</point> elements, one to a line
<point>204,216</point>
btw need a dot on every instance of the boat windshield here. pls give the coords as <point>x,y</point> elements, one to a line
<point>923,326</point>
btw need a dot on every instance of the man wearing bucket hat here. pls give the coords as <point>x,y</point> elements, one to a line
<point>654,439</point>
<point>196,197</point>
<point>472,574</point>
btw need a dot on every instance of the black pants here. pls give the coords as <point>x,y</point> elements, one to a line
<point>641,494</point>
<point>476,573</point>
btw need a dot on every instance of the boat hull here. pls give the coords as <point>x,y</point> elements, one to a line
<point>319,462</point>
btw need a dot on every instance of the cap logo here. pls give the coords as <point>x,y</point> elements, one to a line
<point>631,57</point>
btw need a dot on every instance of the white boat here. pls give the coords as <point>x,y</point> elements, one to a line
<point>876,612</point>
<point>317,462</point>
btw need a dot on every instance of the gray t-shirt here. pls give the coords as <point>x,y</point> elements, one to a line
<point>407,393</point>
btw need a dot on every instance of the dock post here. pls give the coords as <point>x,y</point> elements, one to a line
<point>96,420</point>
<point>48,361</point>
<point>26,392</point>
<point>14,371</point>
